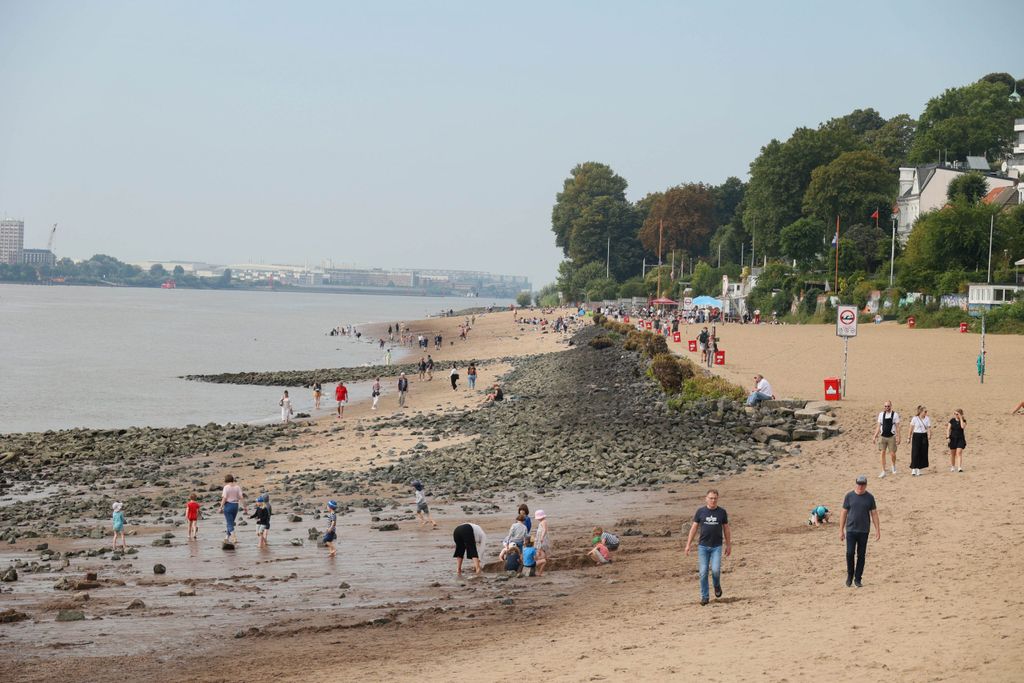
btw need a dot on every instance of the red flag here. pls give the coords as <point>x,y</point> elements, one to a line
<point>875,215</point>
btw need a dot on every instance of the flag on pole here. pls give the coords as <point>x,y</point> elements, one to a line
<point>875,215</point>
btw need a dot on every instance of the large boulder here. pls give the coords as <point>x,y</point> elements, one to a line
<point>764,434</point>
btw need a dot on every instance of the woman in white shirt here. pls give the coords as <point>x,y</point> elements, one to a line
<point>920,426</point>
<point>286,407</point>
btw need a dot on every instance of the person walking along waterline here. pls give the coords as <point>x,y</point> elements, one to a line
<point>230,498</point>
<point>286,407</point>
<point>887,435</point>
<point>957,440</point>
<point>713,523</point>
<point>859,512</point>
<point>920,426</point>
<point>341,395</point>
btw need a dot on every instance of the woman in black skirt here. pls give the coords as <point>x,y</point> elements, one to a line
<point>957,440</point>
<point>920,425</point>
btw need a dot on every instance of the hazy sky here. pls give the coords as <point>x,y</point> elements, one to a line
<point>426,133</point>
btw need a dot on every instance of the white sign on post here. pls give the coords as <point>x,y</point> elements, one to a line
<point>846,321</point>
<point>687,303</point>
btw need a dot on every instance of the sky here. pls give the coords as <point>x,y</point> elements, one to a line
<point>424,134</point>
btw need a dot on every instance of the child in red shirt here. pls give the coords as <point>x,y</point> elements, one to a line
<point>192,515</point>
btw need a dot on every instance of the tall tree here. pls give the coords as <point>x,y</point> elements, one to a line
<point>780,175</point>
<point>852,187</point>
<point>893,140</point>
<point>727,197</point>
<point>803,240</point>
<point>682,218</point>
<point>586,183</point>
<point>592,209</point>
<point>975,119</point>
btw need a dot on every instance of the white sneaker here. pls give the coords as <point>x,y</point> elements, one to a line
<point>882,475</point>
<point>894,469</point>
<point>952,469</point>
<point>959,469</point>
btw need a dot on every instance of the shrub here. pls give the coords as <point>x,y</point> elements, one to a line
<point>602,342</point>
<point>654,344</point>
<point>666,369</point>
<point>710,387</point>
<point>599,319</point>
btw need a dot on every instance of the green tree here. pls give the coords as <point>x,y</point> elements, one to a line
<point>781,174</point>
<point>707,280</point>
<point>973,119</point>
<point>893,140</point>
<point>523,298</point>
<point>955,237</point>
<point>179,271</point>
<point>852,187</point>
<point>967,187</point>
<point>157,270</point>
<point>682,218</point>
<point>632,287</point>
<point>727,198</point>
<point>803,240</point>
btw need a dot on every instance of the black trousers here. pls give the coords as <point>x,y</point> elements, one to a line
<point>856,542</point>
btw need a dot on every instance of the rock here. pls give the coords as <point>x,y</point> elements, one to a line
<point>227,545</point>
<point>294,518</point>
<point>191,593</point>
<point>296,541</point>
<point>763,434</point>
<point>91,576</point>
<point>43,546</point>
<point>808,434</point>
<point>159,569</point>
<point>71,615</point>
<point>807,412</point>
<point>10,575</point>
<point>388,527</point>
<point>344,585</point>
<point>136,604</point>
<point>9,616</point>
<point>161,542</point>
<point>64,584</point>
<point>507,601</point>
<point>312,534</point>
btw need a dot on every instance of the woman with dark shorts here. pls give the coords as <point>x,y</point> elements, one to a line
<point>469,542</point>
<point>957,440</point>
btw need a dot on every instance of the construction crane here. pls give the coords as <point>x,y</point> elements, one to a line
<point>49,242</point>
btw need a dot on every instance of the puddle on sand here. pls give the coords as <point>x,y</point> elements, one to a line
<point>252,587</point>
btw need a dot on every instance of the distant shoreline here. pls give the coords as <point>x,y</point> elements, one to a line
<point>388,291</point>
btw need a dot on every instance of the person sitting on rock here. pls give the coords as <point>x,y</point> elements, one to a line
<point>496,394</point>
<point>762,391</point>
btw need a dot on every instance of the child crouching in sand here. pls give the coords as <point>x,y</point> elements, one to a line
<point>332,528</point>
<point>819,515</point>
<point>117,521</point>
<point>599,553</point>
<point>192,515</point>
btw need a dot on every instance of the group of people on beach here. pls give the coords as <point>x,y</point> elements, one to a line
<point>887,437</point>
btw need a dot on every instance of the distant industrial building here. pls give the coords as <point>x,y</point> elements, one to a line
<point>38,257</point>
<point>12,240</point>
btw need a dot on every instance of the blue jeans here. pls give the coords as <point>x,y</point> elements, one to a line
<point>756,397</point>
<point>709,556</point>
<point>472,381</point>
<point>230,512</point>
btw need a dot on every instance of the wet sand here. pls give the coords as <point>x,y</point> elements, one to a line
<point>942,588</point>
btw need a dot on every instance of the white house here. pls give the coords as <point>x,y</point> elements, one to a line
<point>923,188</point>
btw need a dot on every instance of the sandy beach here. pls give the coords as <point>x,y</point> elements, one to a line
<point>942,589</point>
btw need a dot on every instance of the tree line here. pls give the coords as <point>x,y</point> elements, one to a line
<point>786,212</point>
<point>102,269</point>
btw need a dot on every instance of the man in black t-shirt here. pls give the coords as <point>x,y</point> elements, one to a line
<point>713,523</point>
<point>859,512</point>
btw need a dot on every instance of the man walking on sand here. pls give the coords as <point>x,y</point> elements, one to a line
<point>859,512</point>
<point>713,522</point>
<point>403,388</point>
<point>341,395</point>
<point>887,434</point>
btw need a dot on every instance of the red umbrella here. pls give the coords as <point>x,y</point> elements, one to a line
<point>664,302</point>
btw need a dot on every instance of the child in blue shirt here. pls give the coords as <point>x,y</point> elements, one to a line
<point>530,556</point>
<point>819,515</point>
<point>332,528</point>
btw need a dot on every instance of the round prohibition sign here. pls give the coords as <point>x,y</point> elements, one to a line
<point>847,317</point>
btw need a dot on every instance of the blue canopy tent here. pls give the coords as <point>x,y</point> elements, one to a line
<point>707,301</point>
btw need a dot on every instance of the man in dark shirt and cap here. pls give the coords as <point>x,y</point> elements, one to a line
<point>859,513</point>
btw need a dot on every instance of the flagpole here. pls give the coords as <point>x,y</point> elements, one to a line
<point>892,251</point>
<point>661,228</point>
<point>837,255</point>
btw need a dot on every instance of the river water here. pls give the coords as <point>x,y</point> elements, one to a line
<point>112,357</point>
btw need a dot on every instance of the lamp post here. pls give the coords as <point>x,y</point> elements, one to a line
<point>892,251</point>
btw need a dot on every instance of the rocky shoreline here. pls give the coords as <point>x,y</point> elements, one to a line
<point>306,378</point>
<point>586,418</point>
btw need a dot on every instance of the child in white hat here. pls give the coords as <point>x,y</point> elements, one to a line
<point>117,520</point>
